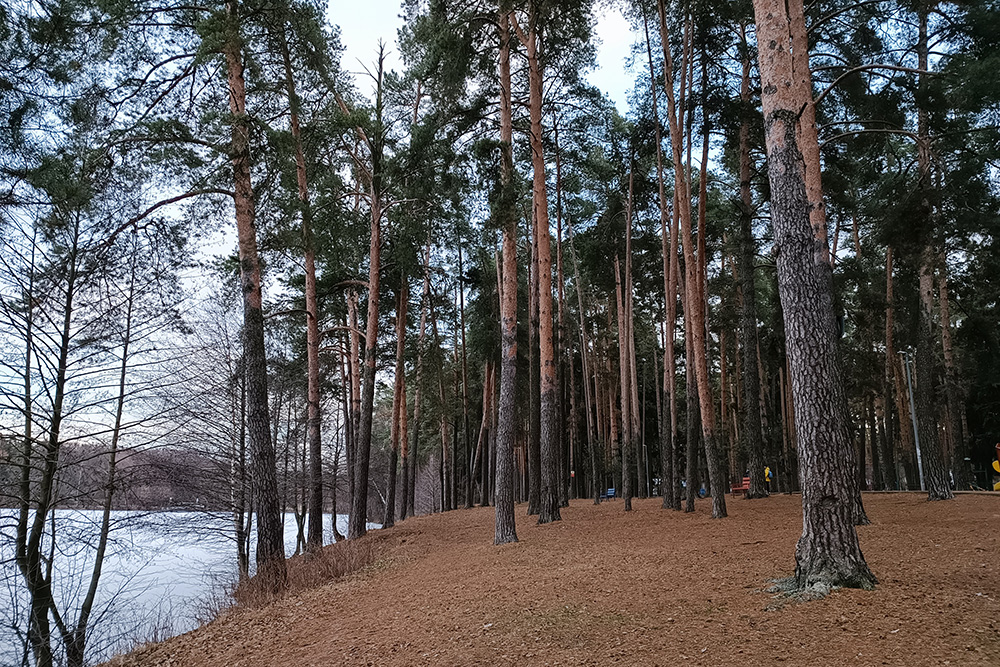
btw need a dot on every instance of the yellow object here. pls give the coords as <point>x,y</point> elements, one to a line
<point>996,466</point>
<point>996,487</point>
<point>767,473</point>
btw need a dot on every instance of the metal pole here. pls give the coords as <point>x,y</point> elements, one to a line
<point>913,416</point>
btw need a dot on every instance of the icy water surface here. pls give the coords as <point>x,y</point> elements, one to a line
<point>164,572</point>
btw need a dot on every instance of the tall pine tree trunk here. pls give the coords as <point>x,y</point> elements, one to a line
<point>270,535</point>
<point>465,391</point>
<point>565,435</point>
<point>960,447</point>
<point>357,525</point>
<point>585,362</point>
<point>668,412</point>
<point>750,432</point>
<point>354,369</point>
<point>534,385</point>
<point>904,445</point>
<point>692,417</point>
<point>444,470</point>
<point>548,510</point>
<point>404,458</point>
<point>935,472</point>
<point>887,438</point>
<point>504,528</point>
<point>633,370</point>
<point>313,416</point>
<point>424,305</point>
<point>625,392</point>
<point>694,278</point>
<point>398,406</point>
<point>827,553</point>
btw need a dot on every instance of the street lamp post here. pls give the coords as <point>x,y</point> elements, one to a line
<point>913,417</point>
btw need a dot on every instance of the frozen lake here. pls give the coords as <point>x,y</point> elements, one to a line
<point>164,573</point>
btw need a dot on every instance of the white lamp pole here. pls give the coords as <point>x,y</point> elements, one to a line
<point>913,416</point>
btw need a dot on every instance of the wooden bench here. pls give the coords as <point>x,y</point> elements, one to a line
<point>743,488</point>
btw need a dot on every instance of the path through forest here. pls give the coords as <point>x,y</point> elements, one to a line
<point>652,587</point>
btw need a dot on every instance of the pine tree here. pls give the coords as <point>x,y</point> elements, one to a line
<point>827,553</point>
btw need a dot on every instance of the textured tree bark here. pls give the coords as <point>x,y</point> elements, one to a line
<point>313,416</point>
<point>668,412</point>
<point>692,415</point>
<point>694,278</point>
<point>358,522</point>
<point>862,449</point>
<point>398,406</point>
<point>484,427</point>
<point>904,446</point>
<point>750,432</point>
<point>875,441</point>
<point>908,454</point>
<point>465,390</point>
<point>675,271</point>
<point>424,304</point>
<point>625,393</point>
<point>585,362</point>
<point>403,435</point>
<point>270,536</point>
<point>457,489</point>
<point>633,370</point>
<point>767,408</point>
<point>600,430</point>
<point>960,446</point>
<point>883,422</point>
<point>886,435</point>
<point>404,459</point>
<point>504,528</point>
<point>445,468</point>
<point>573,490</point>
<point>548,510</point>
<point>726,436</point>
<point>565,436</point>
<point>706,397</point>
<point>615,457</point>
<point>786,445</point>
<point>354,368</point>
<point>935,472</point>
<point>827,553</point>
<point>345,411</point>
<point>534,385</point>
<point>857,462</point>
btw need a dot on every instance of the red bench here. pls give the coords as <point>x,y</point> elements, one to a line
<point>743,488</point>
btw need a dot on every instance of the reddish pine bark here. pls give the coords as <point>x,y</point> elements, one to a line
<point>548,404</point>
<point>827,553</point>
<point>270,536</point>
<point>313,416</point>
<point>505,530</point>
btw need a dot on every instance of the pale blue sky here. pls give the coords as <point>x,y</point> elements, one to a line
<point>363,23</point>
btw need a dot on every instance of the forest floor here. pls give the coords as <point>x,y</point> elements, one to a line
<point>651,587</point>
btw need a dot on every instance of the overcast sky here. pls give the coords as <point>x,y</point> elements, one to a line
<point>362,23</point>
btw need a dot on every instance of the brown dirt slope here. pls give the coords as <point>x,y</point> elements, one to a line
<point>652,587</point>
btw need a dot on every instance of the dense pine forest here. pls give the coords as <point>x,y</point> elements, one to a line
<point>236,277</point>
